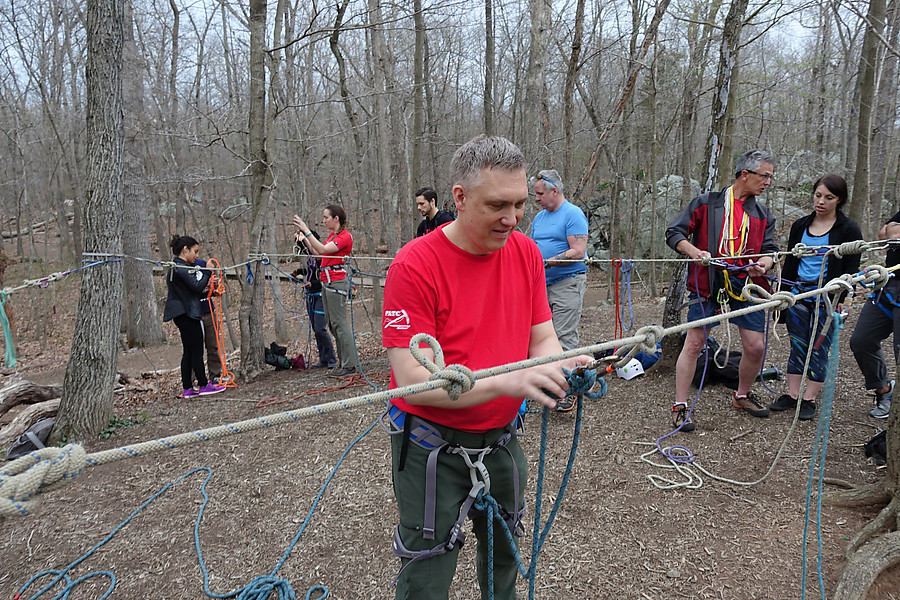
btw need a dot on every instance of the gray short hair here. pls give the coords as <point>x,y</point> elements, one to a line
<point>548,177</point>
<point>750,161</point>
<point>484,152</point>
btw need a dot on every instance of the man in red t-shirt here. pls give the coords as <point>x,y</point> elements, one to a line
<point>477,286</point>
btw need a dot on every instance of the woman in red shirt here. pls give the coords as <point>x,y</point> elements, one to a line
<point>335,280</point>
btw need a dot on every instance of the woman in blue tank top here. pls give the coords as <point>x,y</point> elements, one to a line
<point>827,225</point>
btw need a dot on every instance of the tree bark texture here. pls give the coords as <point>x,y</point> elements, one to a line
<point>91,372</point>
<point>883,120</point>
<point>143,326</point>
<point>868,67</point>
<point>252,342</point>
<point>489,67</point>
<point>728,52</point>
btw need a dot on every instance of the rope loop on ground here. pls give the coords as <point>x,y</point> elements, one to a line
<point>25,478</point>
<point>461,378</point>
<point>264,586</point>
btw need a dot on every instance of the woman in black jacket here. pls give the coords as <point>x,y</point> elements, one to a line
<point>826,226</point>
<point>186,286</point>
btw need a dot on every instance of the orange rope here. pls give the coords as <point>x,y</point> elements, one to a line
<point>355,380</point>
<point>216,290</point>
<point>619,329</point>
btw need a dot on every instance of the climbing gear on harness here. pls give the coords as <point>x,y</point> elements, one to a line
<point>427,436</point>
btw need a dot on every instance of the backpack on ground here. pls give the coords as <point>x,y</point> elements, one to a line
<point>33,439</point>
<point>726,375</point>
<point>876,448</point>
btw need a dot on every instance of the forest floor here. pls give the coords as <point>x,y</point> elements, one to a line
<point>616,536</point>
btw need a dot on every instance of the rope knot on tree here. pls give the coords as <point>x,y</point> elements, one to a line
<point>25,478</point>
<point>459,378</point>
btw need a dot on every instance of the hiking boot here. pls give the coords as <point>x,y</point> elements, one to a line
<point>883,403</point>
<point>751,404</point>
<point>807,410</point>
<point>344,371</point>
<point>189,393</point>
<point>784,402</point>
<point>680,419</point>
<point>566,404</point>
<point>209,389</point>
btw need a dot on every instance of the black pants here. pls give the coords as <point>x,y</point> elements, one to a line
<point>192,351</point>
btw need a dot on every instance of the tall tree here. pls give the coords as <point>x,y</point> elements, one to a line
<point>489,67</point>
<point>87,399</point>
<point>142,323</point>
<point>728,51</point>
<point>868,67</point>
<point>569,91</point>
<point>252,344</point>
<point>884,116</point>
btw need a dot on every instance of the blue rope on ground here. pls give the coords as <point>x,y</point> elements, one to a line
<point>260,588</point>
<point>817,460</point>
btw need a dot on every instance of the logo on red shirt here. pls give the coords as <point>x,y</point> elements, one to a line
<point>398,319</point>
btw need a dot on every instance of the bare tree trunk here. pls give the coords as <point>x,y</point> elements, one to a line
<point>386,191</point>
<point>488,67</point>
<point>883,119</point>
<point>536,132</point>
<point>86,404</point>
<point>252,343</point>
<point>569,92</point>
<point>419,95</point>
<point>699,40</point>
<point>868,67</point>
<point>728,51</point>
<point>142,321</point>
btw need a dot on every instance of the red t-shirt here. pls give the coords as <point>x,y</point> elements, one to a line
<point>344,243</point>
<point>479,308</point>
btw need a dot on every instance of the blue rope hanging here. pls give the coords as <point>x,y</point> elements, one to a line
<point>9,356</point>
<point>817,460</point>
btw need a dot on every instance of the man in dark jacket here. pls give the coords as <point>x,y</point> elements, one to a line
<point>878,319</point>
<point>724,225</point>
<point>426,202</point>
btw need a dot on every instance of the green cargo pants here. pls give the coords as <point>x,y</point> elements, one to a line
<point>430,579</point>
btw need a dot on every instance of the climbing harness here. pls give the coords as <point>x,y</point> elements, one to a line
<point>428,437</point>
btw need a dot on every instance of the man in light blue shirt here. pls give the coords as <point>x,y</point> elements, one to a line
<point>561,232</point>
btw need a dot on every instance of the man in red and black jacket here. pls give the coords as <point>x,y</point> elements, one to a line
<point>723,225</point>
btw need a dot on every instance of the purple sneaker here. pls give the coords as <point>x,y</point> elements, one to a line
<point>210,388</point>
<point>189,393</point>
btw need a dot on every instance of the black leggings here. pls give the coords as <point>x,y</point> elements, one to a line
<point>192,351</point>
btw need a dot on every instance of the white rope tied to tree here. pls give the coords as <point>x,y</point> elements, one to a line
<point>24,479</point>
